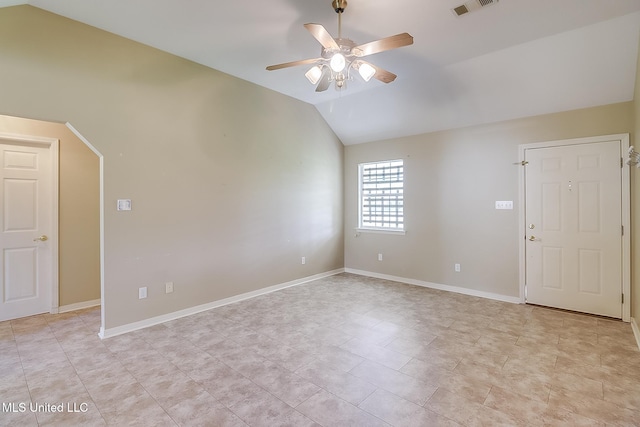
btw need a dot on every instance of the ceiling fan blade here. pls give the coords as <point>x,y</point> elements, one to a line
<point>387,43</point>
<point>293,64</point>
<point>324,81</point>
<point>322,35</point>
<point>381,74</point>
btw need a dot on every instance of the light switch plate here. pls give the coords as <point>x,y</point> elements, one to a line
<point>504,204</point>
<point>124,204</point>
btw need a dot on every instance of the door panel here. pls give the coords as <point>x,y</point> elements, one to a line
<point>573,212</point>
<point>551,267</point>
<point>25,215</point>
<point>20,274</point>
<point>20,197</point>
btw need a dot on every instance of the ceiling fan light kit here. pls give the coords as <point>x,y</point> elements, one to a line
<point>340,56</point>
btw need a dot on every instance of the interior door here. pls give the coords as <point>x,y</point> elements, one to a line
<point>25,217</point>
<point>573,214</point>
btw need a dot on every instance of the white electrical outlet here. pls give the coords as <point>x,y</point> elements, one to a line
<point>142,292</point>
<point>456,267</point>
<point>304,260</point>
<point>379,257</point>
<point>168,287</point>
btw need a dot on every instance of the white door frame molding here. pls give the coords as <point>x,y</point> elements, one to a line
<point>626,212</point>
<point>53,145</point>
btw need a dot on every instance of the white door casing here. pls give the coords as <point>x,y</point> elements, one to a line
<point>28,212</point>
<point>575,203</point>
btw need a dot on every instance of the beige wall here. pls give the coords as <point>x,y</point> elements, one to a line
<point>78,209</point>
<point>230,183</point>
<point>452,180</point>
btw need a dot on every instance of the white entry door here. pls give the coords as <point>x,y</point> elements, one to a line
<point>573,220</point>
<point>26,244</point>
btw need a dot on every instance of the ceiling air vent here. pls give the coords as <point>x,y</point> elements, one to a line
<point>471,6</point>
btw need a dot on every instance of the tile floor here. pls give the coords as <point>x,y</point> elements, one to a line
<point>341,351</point>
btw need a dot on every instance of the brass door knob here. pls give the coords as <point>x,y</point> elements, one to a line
<point>42,238</point>
<point>532,238</point>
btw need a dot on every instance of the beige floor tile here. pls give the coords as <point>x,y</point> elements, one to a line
<point>473,388</point>
<point>286,356</point>
<point>18,418</point>
<point>396,382</point>
<point>562,418</point>
<point>344,385</point>
<point>292,419</point>
<point>533,412</point>
<point>539,362</point>
<point>509,326</point>
<point>57,389</point>
<point>520,407</point>
<point>13,391</point>
<point>284,384</point>
<point>597,409</point>
<point>532,385</point>
<point>446,350</point>
<point>612,342</point>
<point>376,353</point>
<point>168,390</point>
<point>486,357</point>
<point>498,342</point>
<point>410,347</point>
<point>329,410</point>
<point>577,383</point>
<point>626,396</point>
<point>145,413</point>
<point>337,358</point>
<point>230,388</point>
<point>203,410</point>
<point>468,413</point>
<point>114,397</point>
<point>260,409</point>
<point>400,412</point>
<point>478,371</point>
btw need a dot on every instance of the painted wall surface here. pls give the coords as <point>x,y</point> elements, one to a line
<point>230,183</point>
<point>452,181</point>
<point>78,209</point>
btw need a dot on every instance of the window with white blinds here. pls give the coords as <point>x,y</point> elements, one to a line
<point>381,202</point>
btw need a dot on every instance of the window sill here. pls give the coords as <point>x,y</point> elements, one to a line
<point>380,231</point>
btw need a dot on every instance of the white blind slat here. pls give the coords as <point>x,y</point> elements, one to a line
<point>381,195</point>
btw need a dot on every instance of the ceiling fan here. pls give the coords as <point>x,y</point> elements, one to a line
<point>341,55</point>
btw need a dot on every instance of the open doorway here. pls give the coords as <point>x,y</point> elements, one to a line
<point>79,266</point>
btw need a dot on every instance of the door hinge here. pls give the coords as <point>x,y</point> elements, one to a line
<point>622,227</point>
<point>621,162</point>
<point>622,298</point>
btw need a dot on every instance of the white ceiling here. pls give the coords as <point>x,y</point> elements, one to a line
<point>512,59</point>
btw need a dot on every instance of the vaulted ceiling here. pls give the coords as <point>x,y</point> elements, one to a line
<point>510,59</point>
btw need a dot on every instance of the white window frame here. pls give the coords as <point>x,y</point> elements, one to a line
<point>377,229</point>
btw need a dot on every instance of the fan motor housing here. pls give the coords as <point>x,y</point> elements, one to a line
<point>339,5</point>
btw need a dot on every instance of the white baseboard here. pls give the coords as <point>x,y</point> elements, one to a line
<point>448,288</point>
<point>130,327</point>
<point>78,306</point>
<point>636,331</point>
